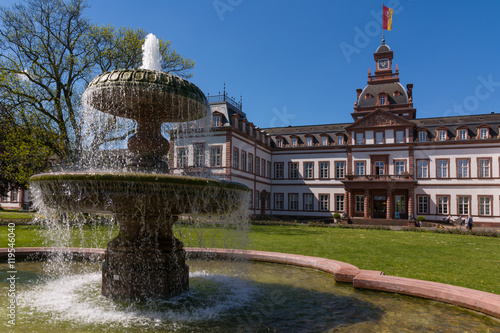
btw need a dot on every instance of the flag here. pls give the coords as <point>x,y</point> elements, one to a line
<point>387,18</point>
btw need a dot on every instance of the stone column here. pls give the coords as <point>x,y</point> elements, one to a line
<point>350,204</point>
<point>411,209</point>
<point>367,208</point>
<point>389,204</point>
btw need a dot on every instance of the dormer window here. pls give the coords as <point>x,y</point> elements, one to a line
<point>294,142</point>
<point>442,135</point>
<point>309,141</point>
<point>279,142</point>
<point>483,133</point>
<point>324,141</point>
<point>216,120</point>
<point>462,134</point>
<point>368,96</point>
<point>340,140</point>
<point>382,100</point>
<point>422,136</point>
<point>397,93</point>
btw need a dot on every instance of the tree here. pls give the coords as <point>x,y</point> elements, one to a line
<point>48,53</point>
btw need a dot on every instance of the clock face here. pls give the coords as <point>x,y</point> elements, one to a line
<point>383,64</point>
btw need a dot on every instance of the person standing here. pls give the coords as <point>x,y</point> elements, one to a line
<point>469,222</point>
<point>459,222</point>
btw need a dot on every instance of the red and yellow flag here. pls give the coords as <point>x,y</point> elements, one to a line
<point>387,18</point>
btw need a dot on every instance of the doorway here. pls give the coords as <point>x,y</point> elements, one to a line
<point>379,207</point>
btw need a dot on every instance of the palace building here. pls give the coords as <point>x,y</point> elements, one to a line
<point>386,164</point>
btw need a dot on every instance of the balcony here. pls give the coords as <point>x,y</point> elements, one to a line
<point>383,178</point>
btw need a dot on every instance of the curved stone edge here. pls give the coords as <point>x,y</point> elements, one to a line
<point>481,301</point>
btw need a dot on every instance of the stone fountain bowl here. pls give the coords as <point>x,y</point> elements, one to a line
<point>146,94</point>
<point>137,193</point>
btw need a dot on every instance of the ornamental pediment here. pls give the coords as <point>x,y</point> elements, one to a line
<point>380,118</point>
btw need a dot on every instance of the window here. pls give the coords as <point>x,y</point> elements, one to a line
<point>484,205</point>
<point>382,100</point>
<point>400,136</point>
<point>423,204</point>
<point>236,158</point>
<point>442,135</point>
<point>324,202</point>
<point>339,169</point>
<point>308,170</point>
<point>359,138</point>
<point>462,134</point>
<point>323,169</point>
<point>278,170</point>
<point>243,161</point>
<point>250,163</point>
<point>257,165</point>
<point>463,205</point>
<point>360,203</point>
<point>268,169</point>
<point>199,155</point>
<point>422,168</point>
<point>309,141</point>
<point>14,194</point>
<point>251,199</point>
<point>463,168</point>
<point>4,198</point>
<point>443,204</point>
<point>294,142</point>
<point>400,204</point>
<point>483,167</point>
<point>182,161</point>
<point>278,201</point>
<point>293,201</point>
<point>442,169</point>
<point>379,168</point>
<point>215,156</point>
<point>422,136</point>
<point>399,167</point>
<point>339,202</point>
<point>360,168</point>
<point>483,133</point>
<point>257,200</point>
<point>308,201</point>
<point>263,168</point>
<point>340,140</point>
<point>216,120</point>
<point>279,142</point>
<point>379,138</point>
<point>293,170</point>
<point>324,141</point>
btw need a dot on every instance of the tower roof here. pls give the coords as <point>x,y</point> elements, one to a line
<point>383,48</point>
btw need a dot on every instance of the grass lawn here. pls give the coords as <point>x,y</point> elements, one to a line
<point>8,214</point>
<point>462,260</point>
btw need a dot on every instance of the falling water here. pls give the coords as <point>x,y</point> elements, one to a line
<point>151,57</point>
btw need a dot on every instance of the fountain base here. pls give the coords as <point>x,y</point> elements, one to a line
<point>138,274</point>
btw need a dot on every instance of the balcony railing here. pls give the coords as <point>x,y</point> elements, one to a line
<point>224,98</point>
<point>378,177</point>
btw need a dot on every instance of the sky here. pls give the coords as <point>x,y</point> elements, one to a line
<point>300,62</point>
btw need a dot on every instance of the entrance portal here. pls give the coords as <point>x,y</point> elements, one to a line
<point>379,206</point>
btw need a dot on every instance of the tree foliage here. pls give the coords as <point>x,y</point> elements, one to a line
<point>49,51</point>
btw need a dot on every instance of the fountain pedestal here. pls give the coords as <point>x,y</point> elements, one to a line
<point>145,260</point>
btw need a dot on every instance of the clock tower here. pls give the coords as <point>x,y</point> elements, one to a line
<point>384,91</point>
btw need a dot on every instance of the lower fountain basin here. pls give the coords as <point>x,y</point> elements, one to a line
<point>229,297</point>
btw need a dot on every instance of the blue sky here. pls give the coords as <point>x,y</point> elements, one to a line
<point>300,62</point>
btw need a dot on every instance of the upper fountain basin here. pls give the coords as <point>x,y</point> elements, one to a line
<point>132,193</point>
<point>146,94</point>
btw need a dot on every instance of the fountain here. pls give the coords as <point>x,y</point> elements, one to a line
<point>145,260</point>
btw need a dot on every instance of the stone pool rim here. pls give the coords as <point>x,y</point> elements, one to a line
<point>481,301</point>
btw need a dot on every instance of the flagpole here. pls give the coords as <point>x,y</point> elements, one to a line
<point>383,32</point>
